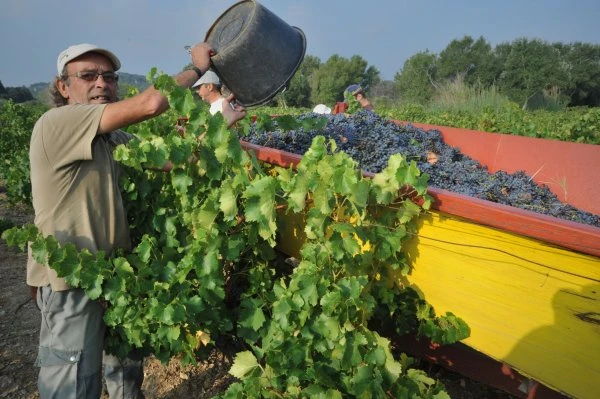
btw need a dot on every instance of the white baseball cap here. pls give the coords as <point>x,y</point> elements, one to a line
<point>77,50</point>
<point>208,77</point>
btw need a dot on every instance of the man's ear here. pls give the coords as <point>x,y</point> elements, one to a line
<point>61,85</point>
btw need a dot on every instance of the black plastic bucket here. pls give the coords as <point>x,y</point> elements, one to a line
<point>257,53</point>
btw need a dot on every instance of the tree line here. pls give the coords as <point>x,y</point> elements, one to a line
<point>16,94</point>
<point>523,70</point>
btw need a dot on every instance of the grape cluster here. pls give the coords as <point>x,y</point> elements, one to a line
<point>370,140</point>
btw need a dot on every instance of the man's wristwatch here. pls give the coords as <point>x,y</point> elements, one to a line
<point>198,71</point>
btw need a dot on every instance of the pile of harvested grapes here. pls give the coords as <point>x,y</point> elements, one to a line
<point>370,140</point>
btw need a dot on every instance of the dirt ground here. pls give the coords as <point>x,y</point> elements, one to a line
<point>19,328</point>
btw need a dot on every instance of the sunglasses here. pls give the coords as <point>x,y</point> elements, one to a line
<point>91,76</point>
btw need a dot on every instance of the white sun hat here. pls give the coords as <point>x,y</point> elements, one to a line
<point>208,77</point>
<point>321,109</point>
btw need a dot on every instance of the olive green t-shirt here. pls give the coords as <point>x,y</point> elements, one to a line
<point>75,185</point>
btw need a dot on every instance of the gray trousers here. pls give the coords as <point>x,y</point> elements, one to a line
<point>71,353</point>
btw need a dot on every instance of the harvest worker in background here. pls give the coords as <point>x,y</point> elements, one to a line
<point>76,198</point>
<point>208,88</point>
<point>358,93</point>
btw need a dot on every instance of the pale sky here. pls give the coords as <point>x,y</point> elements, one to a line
<point>153,33</point>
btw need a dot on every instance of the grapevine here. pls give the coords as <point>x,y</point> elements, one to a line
<point>16,122</point>
<point>204,263</point>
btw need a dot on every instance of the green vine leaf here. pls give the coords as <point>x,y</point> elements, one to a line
<point>244,364</point>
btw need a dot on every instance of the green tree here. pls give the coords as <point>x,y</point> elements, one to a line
<point>415,82</point>
<point>384,93</point>
<point>332,78</point>
<point>583,72</point>
<point>531,67</point>
<point>298,94</point>
<point>474,59</point>
<point>19,94</point>
<point>500,55</point>
<point>371,78</point>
